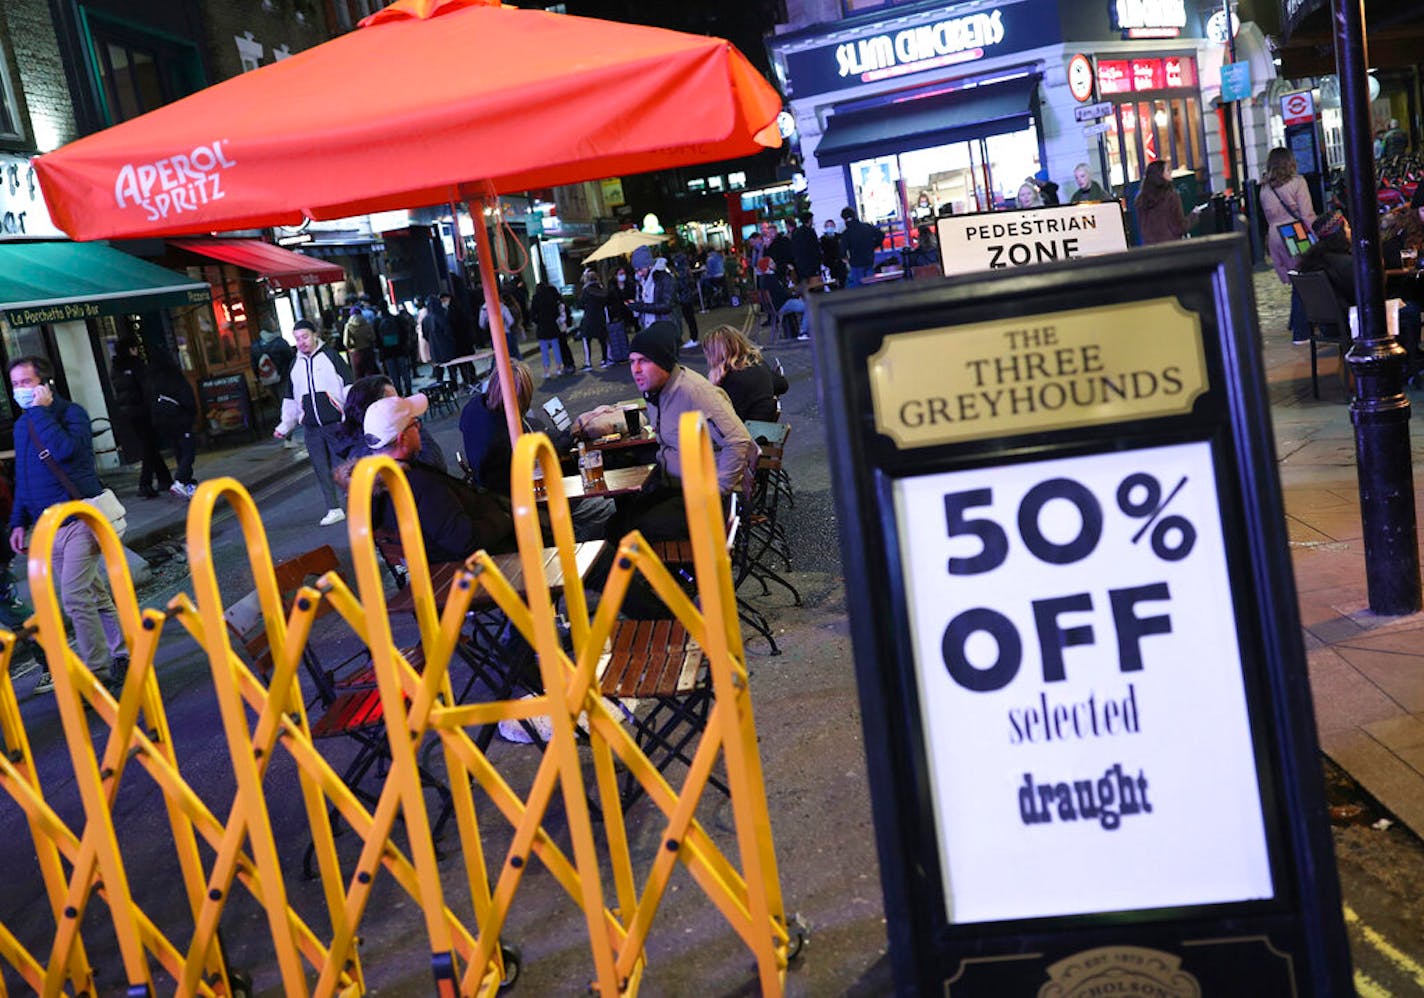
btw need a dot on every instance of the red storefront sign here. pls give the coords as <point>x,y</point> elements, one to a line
<point>1121,76</point>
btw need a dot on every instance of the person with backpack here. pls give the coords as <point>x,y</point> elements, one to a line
<point>272,358</point>
<point>360,342</point>
<point>395,336</point>
<point>174,408</point>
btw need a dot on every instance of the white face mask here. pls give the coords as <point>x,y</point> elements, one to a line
<point>25,397</point>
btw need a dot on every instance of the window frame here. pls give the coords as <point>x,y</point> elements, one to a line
<point>178,59</point>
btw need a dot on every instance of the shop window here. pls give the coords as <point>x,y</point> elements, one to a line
<point>223,335</point>
<point>136,71</point>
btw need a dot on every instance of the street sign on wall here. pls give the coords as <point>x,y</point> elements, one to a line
<point>1078,652</point>
<point>994,240</point>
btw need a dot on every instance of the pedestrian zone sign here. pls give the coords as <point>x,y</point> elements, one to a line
<point>1092,753</point>
<point>998,240</point>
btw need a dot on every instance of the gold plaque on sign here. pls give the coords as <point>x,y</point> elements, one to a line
<point>1120,970</point>
<point>1044,372</point>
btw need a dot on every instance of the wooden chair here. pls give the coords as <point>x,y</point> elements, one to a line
<point>677,556</point>
<point>346,703</point>
<point>657,661</point>
<point>1329,322</point>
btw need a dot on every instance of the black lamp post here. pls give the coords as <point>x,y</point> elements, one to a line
<point>1380,409</point>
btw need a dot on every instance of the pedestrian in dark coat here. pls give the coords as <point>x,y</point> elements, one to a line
<point>174,409</point>
<point>550,323</point>
<point>861,241</point>
<point>436,329</point>
<point>779,249</point>
<point>129,378</point>
<point>805,250</point>
<point>593,299</point>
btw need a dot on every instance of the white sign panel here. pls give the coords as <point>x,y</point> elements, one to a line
<point>22,207</point>
<point>1097,128</point>
<point>1091,112</point>
<point>996,240</point>
<point>1080,683</point>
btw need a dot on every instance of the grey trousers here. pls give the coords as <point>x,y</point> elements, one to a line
<point>85,596</point>
<point>323,459</point>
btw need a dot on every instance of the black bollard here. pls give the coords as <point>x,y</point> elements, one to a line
<point>1379,409</point>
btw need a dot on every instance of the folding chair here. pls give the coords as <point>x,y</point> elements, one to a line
<point>1328,321</point>
<point>677,556</point>
<point>657,661</point>
<point>765,538</point>
<point>346,704</point>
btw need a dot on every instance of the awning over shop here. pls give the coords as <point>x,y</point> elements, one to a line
<point>932,120</point>
<point>282,269</point>
<point>65,282</point>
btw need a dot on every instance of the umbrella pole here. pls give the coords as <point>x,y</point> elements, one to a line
<point>502,361</point>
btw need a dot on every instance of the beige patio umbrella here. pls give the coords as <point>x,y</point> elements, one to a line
<point>622,244</point>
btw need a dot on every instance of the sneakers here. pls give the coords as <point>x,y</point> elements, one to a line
<point>45,683</point>
<point>586,367</point>
<point>300,454</point>
<point>804,336</point>
<point>183,491</point>
<point>693,345</point>
<point>333,516</point>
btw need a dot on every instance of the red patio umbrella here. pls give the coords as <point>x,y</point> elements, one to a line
<point>427,102</point>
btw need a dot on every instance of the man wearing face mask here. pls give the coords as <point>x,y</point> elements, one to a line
<point>621,290</point>
<point>53,439</point>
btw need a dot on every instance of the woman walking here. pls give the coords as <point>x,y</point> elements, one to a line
<point>1285,198</point>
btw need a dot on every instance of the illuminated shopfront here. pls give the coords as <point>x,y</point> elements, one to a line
<point>1156,115</point>
<point>911,110</point>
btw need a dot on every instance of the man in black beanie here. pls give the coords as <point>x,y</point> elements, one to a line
<point>670,390</point>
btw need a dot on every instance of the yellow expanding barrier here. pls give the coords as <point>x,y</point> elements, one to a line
<point>78,859</point>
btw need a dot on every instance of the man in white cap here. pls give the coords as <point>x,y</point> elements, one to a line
<point>455,520</point>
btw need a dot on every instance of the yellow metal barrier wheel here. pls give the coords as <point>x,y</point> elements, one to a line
<point>513,964</point>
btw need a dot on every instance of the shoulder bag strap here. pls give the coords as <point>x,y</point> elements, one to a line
<point>51,463</point>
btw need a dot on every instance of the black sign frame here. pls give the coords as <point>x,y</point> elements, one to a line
<point>1293,943</point>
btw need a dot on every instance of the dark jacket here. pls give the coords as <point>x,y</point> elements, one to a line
<point>662,303</point>
<point>63,429</point>
<point>128,377</point>
<point>171,401</point>
<point>832,250</point>
<point>436,327</point>
<point>487,448</point>
<point>544,310</point>
<point>861,241</point>
<point>395,334</point>
<point>594,324</point>
<point>753,391</point>
<point>1335,262</point>
<point>455,520</point>
<point>805,252</point>
<point>780,252</point>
